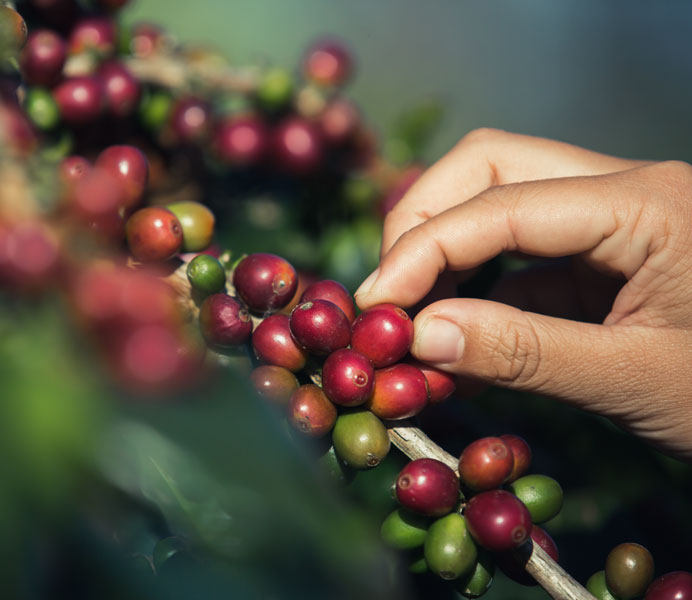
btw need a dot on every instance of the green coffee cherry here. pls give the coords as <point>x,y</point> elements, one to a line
<point>541,494</point>
<point>154,109</point>
<point>360,439</point>
<point>597,586</point>
<point>449,550</point>
<point>418,566</point>
<point>41,108</point>
<point>404,530</point>
<point>478,581</point>
<point>335,468</point>
<point>275,89</point>
<point>206,274</point>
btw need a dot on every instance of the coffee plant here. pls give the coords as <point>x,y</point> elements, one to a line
<point>185,219</point>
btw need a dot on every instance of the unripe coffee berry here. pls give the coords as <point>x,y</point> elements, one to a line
<point>485,464</point>
<point>629,570</point>
<point>206,274</point>
<point>197,222</point>
<point>541,494</point>
<point>360,439</point>
<point>427,486</point>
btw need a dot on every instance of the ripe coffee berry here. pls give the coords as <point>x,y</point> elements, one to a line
<point>223,321</point>
<point>485,464</point>
<point>241,140</point>
<point>328,289</point>
<point>190,120</point>
<point>311,412</point>
<point>521,453</point>
<point>265,282</point>
<point>328,63</point>
<point>629,570</point>
<point>275,384</point>
<point>440,383</point>
<point>43,57</point>
<point>153,233</point>
<point>120,88</point>
<point>274,344</point>
<point>671,586</point>
<point>348,377</point>
<point>401,391</point>
<point>498,520</point>
<point>427,486</point>
<point>95,35</point>
<point>80,99</point>
<point>129,165</point>
<point>320,327</point>
<point>383,333</point>
<point>297,146</point>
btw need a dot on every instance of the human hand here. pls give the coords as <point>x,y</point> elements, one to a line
<point>497,192</point>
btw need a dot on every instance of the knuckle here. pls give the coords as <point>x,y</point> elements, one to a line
<point>481,136</point>
<point>675,174</point>
<point>515,353</point>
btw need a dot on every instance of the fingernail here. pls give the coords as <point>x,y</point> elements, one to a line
<point>366,286</point>
<point>439,341</point>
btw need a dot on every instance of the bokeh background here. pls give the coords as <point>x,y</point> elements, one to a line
<point>94,479</point>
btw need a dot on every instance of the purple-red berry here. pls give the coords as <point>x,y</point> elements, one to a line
<point>671,586</point>
<point>384,333</point>
<point>129,165</point>
<point>401,391</point>
<point>274,344</point>
<point>320,326</point>
<point>241,140</point>
<point>224,321</point>
<point>275,384</point>
<point>297,146</point>
<point>265,282</point>
<point>485,464</point>
<point>80,99</point>
<point>95,34</point>
<point>328,289</point>
<point>427,486</point>
<point>43,57</point>
<point>190,119</point>
<point>328,63</point>
<point>521,452</point>
<point>120,87</point>
<point>440,383</point>
<point>348,377</point>
<point>498,520</point>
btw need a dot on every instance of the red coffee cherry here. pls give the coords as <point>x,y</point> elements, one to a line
<point>190,120</point>
<point>145,39</point>
<point>80,99</point>
<point>513,567</point>
<point>129,165</point>
<point>401,391</point>
<point>224,321</point>
<point>485,464</point>
<point>95,34</point>
<point>384,333</point>
<point>265,282</point>
<point>521,453</point>
<point>498,520</point>
<point>96,195</point>
<point>121,89</point>
<point>440,383</point>
<point>339,121</point>
<point>320,327</point>
<point>671,586</point>
<point>427,486</point>
<point>241,140</point>
<point>30,256</point>
<point>275,384</point>
<point>70,171</point>
<point>43,57</point>
<point>274,344</point>
<point>328,289</point>
<point>297,146</point>
<point>328,63</point>
<point>348,377</point>
<point>311,412</point>
<point>153,233</point>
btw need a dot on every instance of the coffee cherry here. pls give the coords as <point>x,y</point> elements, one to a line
<point>96,196</point>
<point>275,88</point>
<point>672,586</point>
<point>328,289</point>
<point>521,453</point>
<point>404,530</point>
<point>197,222</point>
<point>360,439</point>
<point>41,108</point>
<point>145,39</point>
<point>320,327</point>
<point>274,344</point>
<point>335,468</point>
<point>241,140</point>
<point>190,120</point>
<point>475,583</point>
<point>224,322</point>
<point>498,520</point>
<point>95,35</point>
<point>43,57</point>
<point>485,464</point>
<point>311,412</point>
<point>418,566</point>
<point>297,146</point>
<point>12,29</point>
<point>328,63</point>
<point>384,333</point>
<point>339,121</point>
<point>154,109</point>
<point>129,165</point>
<point>401,391</point>
<point>153,233</point>
<point>30,256</point>
<point>629,570</point>
<point>541,494</point>
<point>80,99</point>
<point>597,586</point>
<point>206,274</point>
<point>265,282</point>
<point>121,89</point>
<point>348,377</point>
<point>427,486</point>
<point>275,384</point>
<point>514,567</point>
<point>441,384</point>
<point>449,549</point>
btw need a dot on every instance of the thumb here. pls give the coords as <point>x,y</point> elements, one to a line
<point>599,368</point>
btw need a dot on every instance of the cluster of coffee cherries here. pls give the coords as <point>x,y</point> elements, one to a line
<point>629,574</point>
<point>461,526</point>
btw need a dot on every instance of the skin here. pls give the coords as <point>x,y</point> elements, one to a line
<point>608,329</point>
